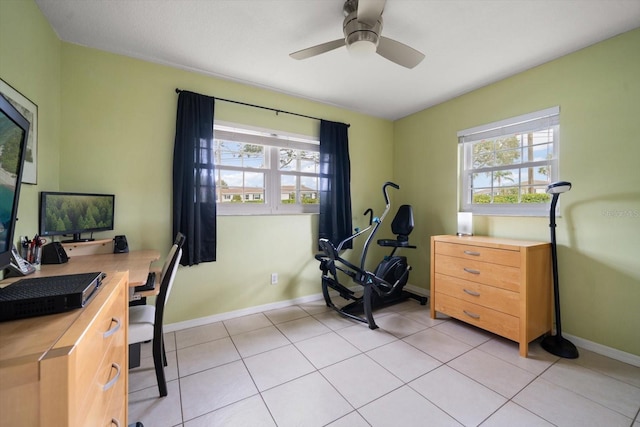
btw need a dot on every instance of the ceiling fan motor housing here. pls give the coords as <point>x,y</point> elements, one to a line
<point>356,31</point>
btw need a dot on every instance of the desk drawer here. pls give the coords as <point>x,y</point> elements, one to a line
<point>109,383</point>
<point>480,253</point>
<point>487,296</point>
<point>107,330</point>
<point>482,317</point>
<point>497,275</point>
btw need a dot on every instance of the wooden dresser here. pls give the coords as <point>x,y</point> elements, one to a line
<point>68,369</point>
<point>503,286</point>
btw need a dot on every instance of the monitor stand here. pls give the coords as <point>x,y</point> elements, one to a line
<point>77,238</point>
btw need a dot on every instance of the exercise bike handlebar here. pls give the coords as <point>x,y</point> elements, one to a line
<point>378,221</point>
<point>384,190</point>
<point>374,222</point>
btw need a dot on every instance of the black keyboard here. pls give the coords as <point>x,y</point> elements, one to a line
<point>47,295</point>
<point>149,286</point>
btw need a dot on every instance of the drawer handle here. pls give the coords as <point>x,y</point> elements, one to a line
<point>114,329</point>
<point>113,380</point>
<point>472,253</point>
<point>472,293</point>
<point>115,422</point>
<point>471,270</point>
<point>475,316</point>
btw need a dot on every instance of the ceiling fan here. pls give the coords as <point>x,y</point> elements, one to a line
<point>362,27</point>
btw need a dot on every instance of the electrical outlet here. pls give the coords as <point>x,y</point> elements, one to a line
<point>274,278</point>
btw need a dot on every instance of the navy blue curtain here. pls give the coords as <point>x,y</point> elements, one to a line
<point>335,183</point>
<point>194,192</point>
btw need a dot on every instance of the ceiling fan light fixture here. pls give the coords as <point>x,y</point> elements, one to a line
<point>362,43</point>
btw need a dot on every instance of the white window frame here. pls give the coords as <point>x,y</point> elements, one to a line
<point>273,140</point>
<point>536,121</point>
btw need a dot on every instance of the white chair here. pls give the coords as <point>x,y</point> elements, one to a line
<point>145,321</point>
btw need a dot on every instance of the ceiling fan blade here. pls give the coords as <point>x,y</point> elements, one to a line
<point>369,11</point>
<point>317,50</point>
<point>399,53</point>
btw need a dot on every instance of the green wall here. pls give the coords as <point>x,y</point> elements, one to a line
<point>106,123</point>
<point>598,91</point>
<point>30,63</point>
<point>117,136</point>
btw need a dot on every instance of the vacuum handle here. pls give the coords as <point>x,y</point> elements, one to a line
<point>384,190</point>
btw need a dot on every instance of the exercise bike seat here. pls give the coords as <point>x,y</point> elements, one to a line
<point>401,226</point>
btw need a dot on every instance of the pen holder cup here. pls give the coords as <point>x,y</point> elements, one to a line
<point>37,257</point>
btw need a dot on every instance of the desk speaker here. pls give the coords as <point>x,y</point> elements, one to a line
<point>54,253</point>
<point>120,245</point>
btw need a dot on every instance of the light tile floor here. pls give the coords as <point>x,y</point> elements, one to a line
<point>307,366</point>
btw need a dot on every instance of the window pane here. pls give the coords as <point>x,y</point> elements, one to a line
<point>483,154</point>
<point>288,159</point>
<point>504,178</point>
<point>288,185</point>
<point>309,190</point>
<point>240,154</point>
<point>309,161</point>
<point>240,187</point>
<point>535,194</point>
<point>482,195</point>
<point>254,187</point>
<point>507,150</point>
<point>482,179</point>
<point>507,195</point>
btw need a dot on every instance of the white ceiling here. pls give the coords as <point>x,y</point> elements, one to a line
<point>468,43</point>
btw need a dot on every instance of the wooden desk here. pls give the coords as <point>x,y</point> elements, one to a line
<point>54,369</point>
<point>136,262</point>
<point>68,369</point>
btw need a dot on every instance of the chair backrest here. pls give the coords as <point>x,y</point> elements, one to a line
<point>177,244</point>
<point>166,284</point>
<point>402,224</point>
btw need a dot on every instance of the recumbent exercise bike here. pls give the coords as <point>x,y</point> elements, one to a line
<point>380,288</point>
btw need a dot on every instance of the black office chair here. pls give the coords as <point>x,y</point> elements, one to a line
<point>145,321</point>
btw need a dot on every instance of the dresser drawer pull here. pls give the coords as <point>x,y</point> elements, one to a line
<point>471,270</point>
<point>472,253</point>
<point>472,293</point>
<point>113,380</point>
<point>475,316</point>
<point>113,330</point>
<point>115,422</point>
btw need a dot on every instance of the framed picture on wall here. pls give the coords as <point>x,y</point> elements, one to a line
<point>30,111</point>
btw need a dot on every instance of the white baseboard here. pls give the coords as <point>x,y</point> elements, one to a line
<point>603,350</point>
<point>172,327</point>
<point>417,290</point>
<point>631,359</point>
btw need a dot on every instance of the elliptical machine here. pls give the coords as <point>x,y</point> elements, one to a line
<point>380,288</point>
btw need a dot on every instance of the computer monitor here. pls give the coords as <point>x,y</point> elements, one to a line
<point>72,214</point>
<point>14,130</point>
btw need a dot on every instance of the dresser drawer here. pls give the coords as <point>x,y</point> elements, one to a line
<point>497,275</point>
<point>480,253</point>
<point>477,315</point>
<point>487,296</point>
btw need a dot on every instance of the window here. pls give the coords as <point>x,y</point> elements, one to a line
<point>265,172</point>
<point>506,166</point>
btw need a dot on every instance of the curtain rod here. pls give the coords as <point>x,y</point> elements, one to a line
<point>264,108</point>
